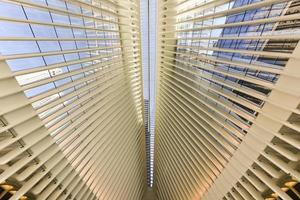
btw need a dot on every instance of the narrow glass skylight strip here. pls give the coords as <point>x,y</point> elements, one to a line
<point>71,92</point>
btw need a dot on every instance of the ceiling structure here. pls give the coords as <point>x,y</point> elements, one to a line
<point>71,100</point>
<point>185,99</point>
<point>227,121</point>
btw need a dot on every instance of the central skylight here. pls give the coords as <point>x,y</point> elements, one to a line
<point>148,38</point>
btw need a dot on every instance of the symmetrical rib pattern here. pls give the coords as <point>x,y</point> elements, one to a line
<point>228,100</point>
<point>71,98</point>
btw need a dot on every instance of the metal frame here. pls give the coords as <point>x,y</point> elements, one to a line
<point>212,141</point>
<point>87,143</point>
